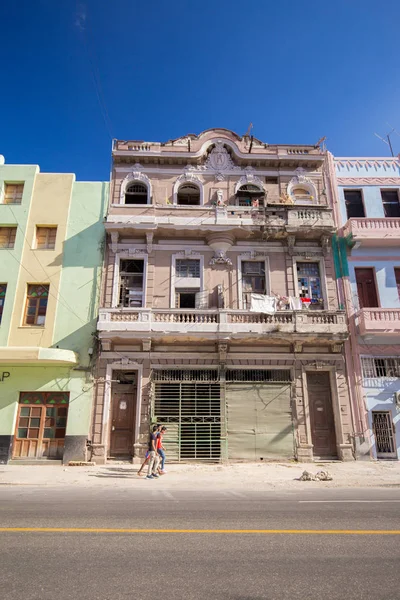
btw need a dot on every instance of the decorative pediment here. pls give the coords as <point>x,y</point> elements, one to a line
<point>219,158</point>
<point>301,180</point>
<point>135,175</point>
<point>189,176</point>
<point>249,178</point>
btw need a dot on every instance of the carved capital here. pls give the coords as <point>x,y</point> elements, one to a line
<point>326,244</point>
<point>146,345</point>
<point>114,241</point>
<point>149,242</point>
<point>106,345</point>
<point>291,240</point>
<point>337,348</point>
<point>297,347</point>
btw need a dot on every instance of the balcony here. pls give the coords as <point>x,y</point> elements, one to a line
<point>379,321</point>
<point>373,232</point>
<point>278,219</point>
<point>225,322</point>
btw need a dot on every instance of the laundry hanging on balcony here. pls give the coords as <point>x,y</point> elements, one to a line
<point>262,304</point>
<point>295,303</point>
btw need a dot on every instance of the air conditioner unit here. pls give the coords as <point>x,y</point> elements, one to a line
<point>397,399</point>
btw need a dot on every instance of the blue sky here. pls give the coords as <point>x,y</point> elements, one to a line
<point>75,74</point>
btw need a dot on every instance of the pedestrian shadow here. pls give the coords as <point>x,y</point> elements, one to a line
<point>116,472</point>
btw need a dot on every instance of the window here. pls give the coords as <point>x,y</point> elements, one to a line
<point>354,203</point>
<point>36,305</point>
<point>136,193</point>
<point>253,280</point>
<point>250,195</point>
<point>41,425</point>
<point>185,298</point>
<point>188,195</point>
<point>366,288</point>
<point>397,275</point>
<point>131,279</point>
<point>46,238</point>
<point>309,283</point>
<point>300,193</point>
<point>187,268</point>
<point>380,367</point>
<point>7,237</point>
<point>3,289</point>
<point>391,205</point>
<point>13,193</point>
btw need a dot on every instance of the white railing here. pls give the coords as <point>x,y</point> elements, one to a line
<point>379,320</point>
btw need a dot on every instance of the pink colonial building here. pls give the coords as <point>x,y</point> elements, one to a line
<point>219,311</point>
<point>367,206</point>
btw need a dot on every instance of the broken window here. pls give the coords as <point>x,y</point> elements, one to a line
<point>136,193</point>
<point>131,279</point>
<point>391,205</point>
<point>253,280</point>
<point>354,203</point>
<point>309,283</point>
<point>250,195</point>
<point>188,195</point>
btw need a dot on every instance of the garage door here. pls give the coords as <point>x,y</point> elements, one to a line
<point>259,421</point>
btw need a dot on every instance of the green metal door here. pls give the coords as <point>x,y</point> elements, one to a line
<point>259,421</point>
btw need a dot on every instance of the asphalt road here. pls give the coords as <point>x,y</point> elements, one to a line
<point>118,565</point>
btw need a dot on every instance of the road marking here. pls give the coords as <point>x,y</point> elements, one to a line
<point>218,531</point>
<point>347,501</point>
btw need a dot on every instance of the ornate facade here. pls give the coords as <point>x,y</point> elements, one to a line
<point>219,310</point>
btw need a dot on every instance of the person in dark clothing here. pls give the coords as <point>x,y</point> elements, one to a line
<point>155,429</point>
<point>153,454</point>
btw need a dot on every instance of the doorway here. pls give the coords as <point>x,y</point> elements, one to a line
<point>366,288</point>
<point>323,434</point>
<point>383,429</point>
<point>123,405</point>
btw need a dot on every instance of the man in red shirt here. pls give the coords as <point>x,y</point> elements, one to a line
<point>160,448</point>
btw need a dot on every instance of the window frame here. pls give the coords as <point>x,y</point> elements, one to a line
<point>378,296</point>
<point>322,274</point>
<point>48,228</point>
<point>116,281</point>
<point>395,190</point>
<point>12,183</point>
<point>11,229</point>
<point>356,189</point>
<point>196,283</point>
<point>183,180</point>
<point>189,184</point>
<point>246,258</point>
<point>27,298</point>
<point>141,183</point>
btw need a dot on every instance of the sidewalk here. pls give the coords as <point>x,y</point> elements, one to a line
<point>250,476</point>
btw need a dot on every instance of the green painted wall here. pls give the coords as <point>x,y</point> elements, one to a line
<point>46,379</point>
<point>12,215</point>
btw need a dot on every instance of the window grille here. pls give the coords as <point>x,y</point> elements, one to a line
<point>205,375</point>
<point>380,367</point>
<point>259,375</point>
<point>187,268</point>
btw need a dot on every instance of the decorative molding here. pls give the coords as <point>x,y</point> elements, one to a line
<point>149,241</point>
<point>291,240</point>
<point>301,180</point>
<point>136,175</point>
<point>368,181</point>
<point>297,347</point>
<point>326,244</point>
<point>146,345</point>
<point>368,163</point>
<point>219,158</point>
<point>250,178</point>
<point>189,176</point>
<point>114,241</point>
<point>337,348</point>
<point>220,258</point>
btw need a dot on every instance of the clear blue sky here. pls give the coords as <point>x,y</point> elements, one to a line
<point>298,70</point>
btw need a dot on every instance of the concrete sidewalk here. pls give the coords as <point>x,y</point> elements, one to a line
<point>250,476</point>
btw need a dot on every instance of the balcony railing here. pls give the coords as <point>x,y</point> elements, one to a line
<point>379,321</point>
<point>371,231</point>
<point>224,321</point>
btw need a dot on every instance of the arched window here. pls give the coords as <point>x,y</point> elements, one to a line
<point>250,195</point>
<point>136,193</point>
<point>301,193</point>
<point>188,195</point>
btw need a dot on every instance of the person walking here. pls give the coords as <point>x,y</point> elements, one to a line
<point>153,454</point>
<point>155,429</point>
<point>161,449</point>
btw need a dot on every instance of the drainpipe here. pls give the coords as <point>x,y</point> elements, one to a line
<point>352,365</point>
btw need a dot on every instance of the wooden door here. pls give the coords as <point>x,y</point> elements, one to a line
<point>366,288</point>
<point>122,423</point>
<point>321,415</point>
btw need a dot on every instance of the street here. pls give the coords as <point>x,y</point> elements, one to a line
<point>233,564</point>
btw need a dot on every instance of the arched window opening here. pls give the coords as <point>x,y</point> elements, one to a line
<point>136,193</point>
<point>188,195</point>
<point>250,195</point>
<point>301,193</point>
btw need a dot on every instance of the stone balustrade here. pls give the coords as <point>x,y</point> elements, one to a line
<point>371,231</point>
<point>379,321</point>
<point>223,321</point>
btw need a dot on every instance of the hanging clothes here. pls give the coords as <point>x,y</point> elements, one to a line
<point>262,304</point>
<point>295,303</point>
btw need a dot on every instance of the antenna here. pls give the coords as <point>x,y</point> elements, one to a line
<point>387,141</point>
<point>250,127</point>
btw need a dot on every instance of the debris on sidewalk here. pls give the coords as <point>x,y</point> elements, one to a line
<point>320,476</point>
